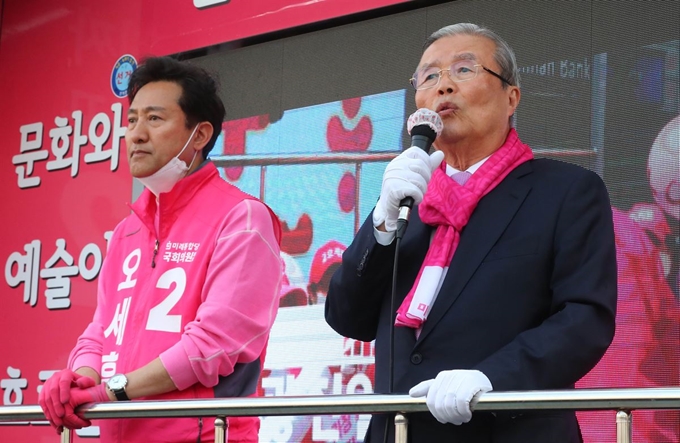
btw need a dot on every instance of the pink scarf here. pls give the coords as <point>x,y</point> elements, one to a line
<point>448,206</point>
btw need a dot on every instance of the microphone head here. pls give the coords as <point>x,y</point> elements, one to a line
<point>422,119</point>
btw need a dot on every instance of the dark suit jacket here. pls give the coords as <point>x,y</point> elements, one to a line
<point>529,300</point>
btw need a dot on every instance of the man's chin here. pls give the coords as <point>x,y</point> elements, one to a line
<point>140,173</point>
<point>140,167</point>
<point>449,137</point>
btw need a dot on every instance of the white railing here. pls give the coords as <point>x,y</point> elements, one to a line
<point>355,158</point>
<point>622,400</point>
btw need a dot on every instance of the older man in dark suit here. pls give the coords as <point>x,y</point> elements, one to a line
<point>507,273</point>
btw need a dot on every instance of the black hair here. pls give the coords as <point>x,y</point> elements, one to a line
<point>199,100</point>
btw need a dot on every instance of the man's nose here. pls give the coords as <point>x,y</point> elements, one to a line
<point>446,85</point>
<point>138,134</point>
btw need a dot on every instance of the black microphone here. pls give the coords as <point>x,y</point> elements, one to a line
<point>424,126</point>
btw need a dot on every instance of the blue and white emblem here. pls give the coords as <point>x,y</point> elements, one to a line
<point>120,76</point>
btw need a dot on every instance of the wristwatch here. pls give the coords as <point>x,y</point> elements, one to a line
<point>117,384</point>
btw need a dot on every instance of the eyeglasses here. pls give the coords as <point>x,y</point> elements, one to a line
<point>460,71</point>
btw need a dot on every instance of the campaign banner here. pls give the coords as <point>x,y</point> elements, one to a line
<point>64,68</point>
<point>67,187</point>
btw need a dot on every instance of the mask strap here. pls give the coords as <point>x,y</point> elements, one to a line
<point>187,143</point>
<point>192,161</point>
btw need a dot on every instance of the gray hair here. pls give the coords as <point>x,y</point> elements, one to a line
<point>504,55</point>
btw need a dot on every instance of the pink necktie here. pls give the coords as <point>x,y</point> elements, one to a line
<point>461,177</point>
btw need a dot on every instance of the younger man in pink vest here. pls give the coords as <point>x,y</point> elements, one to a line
<point>189,288</point>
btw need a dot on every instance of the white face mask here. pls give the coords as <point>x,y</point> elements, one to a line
<point>166,177</point>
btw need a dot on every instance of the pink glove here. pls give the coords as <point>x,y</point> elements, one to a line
<point>56,393</point>
<point>85,392</point>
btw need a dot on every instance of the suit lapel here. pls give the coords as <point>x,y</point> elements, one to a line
<point>488,222</point>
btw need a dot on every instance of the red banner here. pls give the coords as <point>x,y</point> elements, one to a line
<point>64,68</point>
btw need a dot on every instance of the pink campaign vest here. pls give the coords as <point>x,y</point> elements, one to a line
<point>152,286</point>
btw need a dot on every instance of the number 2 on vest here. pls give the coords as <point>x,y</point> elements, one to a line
<point>159,319</point>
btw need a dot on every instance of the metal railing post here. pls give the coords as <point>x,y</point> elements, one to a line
<point>357,187</point>
<point>66,435</point>
<point>263,174</point>
<point>624,426</point>
<point>221,430</point>
<point>400,428</point>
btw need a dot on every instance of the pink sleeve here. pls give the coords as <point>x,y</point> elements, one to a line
<point>88,349</point>
<point>240,301</point>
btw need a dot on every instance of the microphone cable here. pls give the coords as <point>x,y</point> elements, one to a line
<point>424,126</point>
<point>401,229</point>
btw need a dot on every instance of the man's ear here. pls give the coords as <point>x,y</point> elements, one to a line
<point>204,133</point>
<point>514,96</point>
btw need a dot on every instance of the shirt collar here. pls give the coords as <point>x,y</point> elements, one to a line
<point>450,170</point>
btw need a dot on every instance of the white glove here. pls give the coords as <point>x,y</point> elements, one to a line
<point>406,175</point>
<point>452,393</point>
